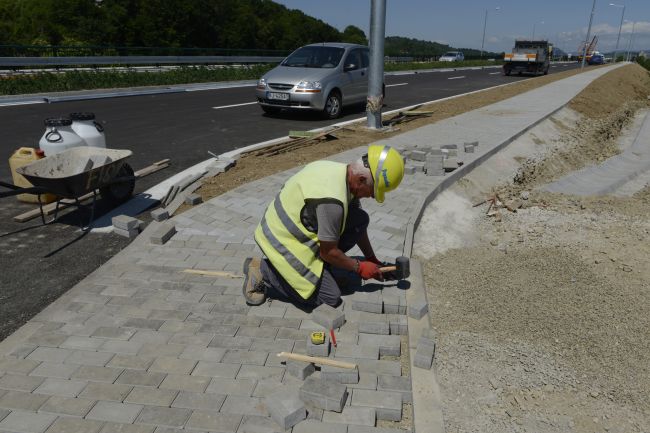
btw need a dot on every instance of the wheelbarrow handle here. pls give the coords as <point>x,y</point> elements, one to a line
<point>15,190</point>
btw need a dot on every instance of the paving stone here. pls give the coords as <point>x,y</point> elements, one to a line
<point>257,332</point>
<point>370,302</point>
<point>312,426</point>
<point>214,422</point>
<point>328,317</point>
<point>381,327</point>
<point>286,409</point>
<point>75,425</point>
<point>357,351</point>
<point>156,350</point>
<point>195,400</point>
<point>318,349</point>
<point>20,383</point>
<point>418,308</point>
<point>236,356</point>
<point>390,368</point>
<point>61,387</point>
<point>149,396</point>
<point>112,427</point>
<point>228,386</point>
<point>87,357</point>
<point>398,324</point>
<point>324,395</point>
<point>352,415</point>
<point>299,369</point>
<point>141,323</point>
<point>388,405</point>
<point>339,375</point>
<point>22,401</point>
<point>164,416</point>
<point>130,234</point>
<point>185,383</point>
<point>141,378</point>
<point>49,354</point>
<point>389,345</point>
<point>259,424</point>
<point>367,429</point>
<point>48,339</point>
<point>424,353</point>
<point>216,369</point>
<point>26,422</point>
<point>168,364</point>
<point>162,233</point>
<point>202,353</point>
<point>125,222</point>
<point>96,374</point>
<point>54,369</point>
<point>21,366</point>
<point>130,362</point>
<point>105,391</point>
<point>159,214</point>
<point>396,384</point>
<point>366,381</point>
<point>260,372</point>
<point>235,404</point>
<point>115,412</point>
<point>78,407</point>
<point>193,199</point>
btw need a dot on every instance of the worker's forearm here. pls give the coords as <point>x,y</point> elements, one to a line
<point>337,258</point>
<point>365,246</point>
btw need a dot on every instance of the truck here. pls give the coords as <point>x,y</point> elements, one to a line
<point>532,57</point>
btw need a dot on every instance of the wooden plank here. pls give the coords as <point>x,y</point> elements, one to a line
<point>212,273</point>
<point>317,360</point>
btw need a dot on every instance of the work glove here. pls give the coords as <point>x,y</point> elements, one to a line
<point>368,270</point>
<point>374,260</point>
<point>386,276</point>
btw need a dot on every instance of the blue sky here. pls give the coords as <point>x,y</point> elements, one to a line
<point>460,22</point>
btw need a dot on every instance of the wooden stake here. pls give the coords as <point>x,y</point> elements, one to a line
<point>317,360</point>
<point>212,273</point>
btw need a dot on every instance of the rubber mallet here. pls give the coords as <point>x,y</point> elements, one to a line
<point>401,270</point>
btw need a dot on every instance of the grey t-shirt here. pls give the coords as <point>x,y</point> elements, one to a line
<point>330,219</point>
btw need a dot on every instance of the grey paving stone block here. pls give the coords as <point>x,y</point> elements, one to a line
<point>418,308</point>
<point>159,214</point>
<point>391,368</point>
<point>21,366</point>
<point>299,369</point>
<point>125,222</point>
<point>22,401</point>
<point>339,375</point>
<point>168,364</point>
<point>425,352</point>
<point>193,199</point>
<point>357,351</point>
<point>236,356</point>
<point>259,424</point>
<point>367,429</point>
<point>96,374</point>
<point>418,155</point>
<point>388,405</point>
<point>141,378</point>
<point>236,404</point>
<point>318,349</point>
<point>54,369</point>
<point>313,426</point>
<point>149,396</point>
<point>228,386</point>
<point>398,324</point>
<point>20,383</point>
<point>49,354</point>
<point>324,395</point>
<point>78,407</point>
<point>396,384</point>
<point>75,425</point>
<point>352,415</point>
<point>105,391</point>
<point>130,234</point>
<point>164,416</point>
<point>113,427</point>
<point>214,422</point>
<point>389,345</point>
<point>381,327</point>
<point>88,357</point>
<point>27,422</point>
<point>286,409</point>
<point>216,369</point>
<point>162,233</point>
<point>195,400</point>
<point>130,362</point>
<point>370,302</point>
<point>185,383</point>
<point>61,387</point>
<point>114,412</point>
<point>366,381</point>
<point>260,372</point>
<point>328,317</point>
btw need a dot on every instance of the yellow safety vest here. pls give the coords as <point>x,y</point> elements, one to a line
<point>292,248</point>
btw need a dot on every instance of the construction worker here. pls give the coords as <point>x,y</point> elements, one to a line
<point>312,222</point>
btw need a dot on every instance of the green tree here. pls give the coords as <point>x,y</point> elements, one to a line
<point>354,35</point>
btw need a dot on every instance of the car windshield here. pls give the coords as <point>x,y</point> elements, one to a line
<point>450,54</point>
<point>315,57</point>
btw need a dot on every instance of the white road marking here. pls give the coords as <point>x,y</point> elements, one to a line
<point>495,73</point>
<point>10,104</point>
<point>553,66</point>
<point>398,84</point>
<point>456,78</point>
<point>234,105</point>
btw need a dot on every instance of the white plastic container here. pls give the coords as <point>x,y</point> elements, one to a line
<point>59,136</point>
<point>86,127</point>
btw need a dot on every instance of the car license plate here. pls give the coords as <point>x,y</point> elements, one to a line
<point>279,96</point>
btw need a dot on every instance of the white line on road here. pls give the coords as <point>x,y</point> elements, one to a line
<point>495,73</point>
<point>398,84</point>
<point>234,105</point>
<point>456,78</point>
<point>11,104</point>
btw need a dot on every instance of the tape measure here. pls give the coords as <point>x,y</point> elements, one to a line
<point>317,337</point>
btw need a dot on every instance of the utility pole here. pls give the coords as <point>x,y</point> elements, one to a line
<point>376,70</point>
<point>620,27</point>
<point>584,51</point>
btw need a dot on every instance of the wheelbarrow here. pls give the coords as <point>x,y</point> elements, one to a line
<point>76,172</point>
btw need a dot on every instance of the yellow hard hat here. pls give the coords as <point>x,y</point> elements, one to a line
<point>387,168</point>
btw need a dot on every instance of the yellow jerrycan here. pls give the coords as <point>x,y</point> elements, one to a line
<point>24,156</point>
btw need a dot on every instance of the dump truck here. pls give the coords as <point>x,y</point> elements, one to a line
<point>532,57</point>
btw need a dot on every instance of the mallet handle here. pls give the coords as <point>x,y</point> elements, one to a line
<point>317,360</point>
<point>388,269</point>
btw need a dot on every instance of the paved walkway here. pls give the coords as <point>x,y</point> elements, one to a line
<point>140,346</point>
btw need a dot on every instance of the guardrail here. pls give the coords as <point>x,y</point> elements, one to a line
<point>17,62</point>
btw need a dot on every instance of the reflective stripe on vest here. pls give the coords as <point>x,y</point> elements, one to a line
<point>287,243</point>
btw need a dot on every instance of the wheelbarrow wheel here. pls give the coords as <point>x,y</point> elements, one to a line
<point>120,192</point>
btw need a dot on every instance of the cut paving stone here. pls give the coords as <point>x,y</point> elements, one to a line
<point>324,395</point>
<point>318,349</point>
<point>389,345</point>
<point>396,384</point>
<point>388,405</point>
<point>328,317</point>
<point>339,375</point>
<point>162,233</point>
<point>160,214</point>
<point>286,409</point>
<point>417,309</point>
<point>353,415</point>
<point>299,369</point>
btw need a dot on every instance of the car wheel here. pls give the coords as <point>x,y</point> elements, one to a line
<point>332,108</point>
<point>270,110</point>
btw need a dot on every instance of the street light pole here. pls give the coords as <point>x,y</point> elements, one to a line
<point>484,27</point>
<point>629,42</point>
<point>584,51</point>
<point>620,27</point>
<point>375,99</point>
<point>534,24</point>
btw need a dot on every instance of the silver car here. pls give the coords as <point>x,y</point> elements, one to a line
<point>322,77</point>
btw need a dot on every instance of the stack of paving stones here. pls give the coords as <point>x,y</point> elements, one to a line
<point>140,346</point>
<point>127,226</point>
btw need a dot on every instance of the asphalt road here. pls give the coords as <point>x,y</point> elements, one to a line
<point>39,263</point>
